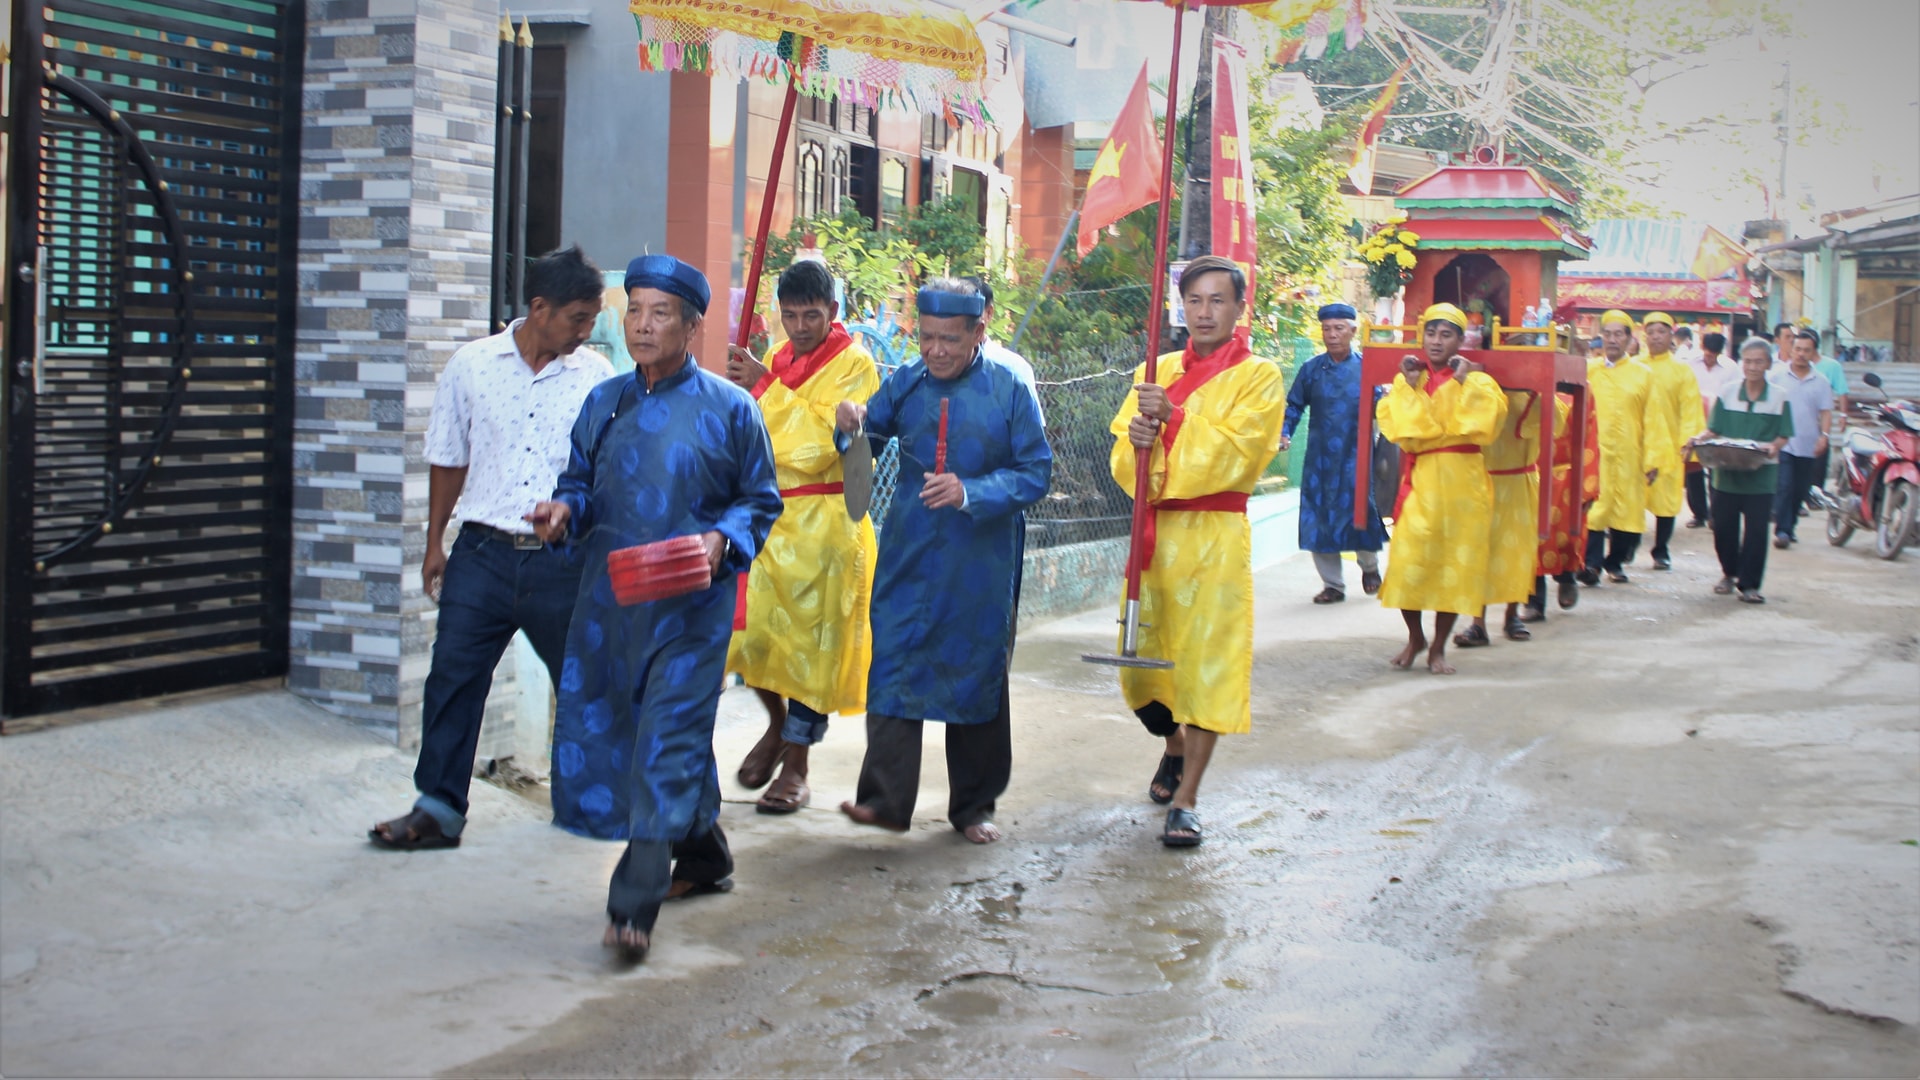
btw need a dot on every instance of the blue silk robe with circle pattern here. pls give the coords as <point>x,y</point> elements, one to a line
<point>633,729</point>
<point>1332,392</point>
<point>943,587</point>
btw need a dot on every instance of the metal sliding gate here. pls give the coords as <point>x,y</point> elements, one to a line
<point>152,180</point>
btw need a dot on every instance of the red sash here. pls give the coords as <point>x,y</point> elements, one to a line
<point>793,372</point>
<point>1195,372</point>
<point>740,587</point>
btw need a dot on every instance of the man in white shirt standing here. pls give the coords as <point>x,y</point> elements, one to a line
<point>500,436</point>
<point>1714,373</point>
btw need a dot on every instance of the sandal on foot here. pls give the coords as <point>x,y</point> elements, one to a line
<point>626,953</point>
<point>698,888</point>
<point>1724,587</point>
<point>1569,595</point>
<point>1472,637</point>
<point>1531,614</point>
<point>417,831</point>
<point>1329,596</point>
<point>1167,777</point>
<point>787,795</point>
<point>756,769</point>
<point>1517,631</point>
<point>1370,582</point>
<point>1183,828</point>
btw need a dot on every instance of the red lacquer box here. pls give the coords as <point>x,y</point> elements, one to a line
<point>657,571</point>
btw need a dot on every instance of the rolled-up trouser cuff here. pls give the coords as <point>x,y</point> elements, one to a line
<point>804,727</point>
<point>451,821</point>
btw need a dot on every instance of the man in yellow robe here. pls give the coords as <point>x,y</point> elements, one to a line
<point>801,636</point>
<point>1633,433</point>
<point>1442,411</point>
<point>1212,421</point>
<point>1675,395</point>
<point>1512,461</point>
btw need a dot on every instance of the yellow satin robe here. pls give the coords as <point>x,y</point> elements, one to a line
<point>1438,559</point>
<point>1514,548</point>
<point>807,636</point>
<point>1198,593</point>
<point>1632,431</point>
<point>1675,394</point>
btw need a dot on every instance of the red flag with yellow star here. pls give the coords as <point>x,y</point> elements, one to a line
<point>1126,175</point>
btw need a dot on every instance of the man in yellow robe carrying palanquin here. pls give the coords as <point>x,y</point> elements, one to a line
<point>1442,412</point>
<point>1675,394</point>
<point>801,637</point>
<point>1512,461</point>
<point>1633,438</point>
<point>1212,423</point>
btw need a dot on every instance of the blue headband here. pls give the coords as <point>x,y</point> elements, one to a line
<point>669,275</point>
<point>946,305</point>
<point>1338,311</point>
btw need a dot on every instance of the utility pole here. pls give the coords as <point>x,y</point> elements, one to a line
<point>1196,193</point>
<point>1786,136</point>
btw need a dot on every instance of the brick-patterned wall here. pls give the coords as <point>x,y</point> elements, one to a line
<point>396,221</point>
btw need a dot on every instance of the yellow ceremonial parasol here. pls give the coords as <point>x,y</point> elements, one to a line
<point>873,53</point>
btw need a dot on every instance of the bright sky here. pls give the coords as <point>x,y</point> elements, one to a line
<point>1857,58</point>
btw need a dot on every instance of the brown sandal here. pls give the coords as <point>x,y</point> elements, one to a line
<point>788,794</point>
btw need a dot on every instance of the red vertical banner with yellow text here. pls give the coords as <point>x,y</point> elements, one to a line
<point>1233,224</point>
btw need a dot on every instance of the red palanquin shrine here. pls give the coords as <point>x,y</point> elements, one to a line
<point>1491,241</point>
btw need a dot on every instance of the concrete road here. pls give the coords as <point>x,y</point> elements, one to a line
<point>1672,835</point>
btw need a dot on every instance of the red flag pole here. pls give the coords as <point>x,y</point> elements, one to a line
<point>1143,460</point>
<point>759,260</point>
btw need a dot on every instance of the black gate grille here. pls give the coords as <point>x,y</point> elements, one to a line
<point>148,502</point>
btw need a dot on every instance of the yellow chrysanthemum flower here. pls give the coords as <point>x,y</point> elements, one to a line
<point>1375,255</point>
<point>1405,259</point>
<point>1409,237</point>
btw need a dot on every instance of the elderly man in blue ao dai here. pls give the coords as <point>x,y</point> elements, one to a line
<point>666,450</point>
<point>943,588</point>
<point>1328,386</point>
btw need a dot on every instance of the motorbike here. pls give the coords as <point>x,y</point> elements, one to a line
<point>1882,479</point>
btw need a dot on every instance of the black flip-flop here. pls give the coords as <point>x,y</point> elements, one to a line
<point>1168,776</point>
<point>418,831</point>
<point>703,888</point>
<point>1181,819</point>
<point>1517,631</point>
<point>1472,637</point>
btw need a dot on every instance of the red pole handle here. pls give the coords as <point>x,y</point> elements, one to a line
<point>759,260</point>
<point>1143,459</point>
<point>940,447</point>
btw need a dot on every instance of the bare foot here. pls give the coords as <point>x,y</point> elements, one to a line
<point>1437,663</point>
<point>984,832</point>
<point>862,815</point>
<point>1405,657</point>
<point>628,939</point>
<point>757,767</point>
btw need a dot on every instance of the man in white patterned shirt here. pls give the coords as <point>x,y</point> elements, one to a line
<point>499,438</point>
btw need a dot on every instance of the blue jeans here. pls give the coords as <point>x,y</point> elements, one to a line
<point>804,726</point>
<point>491,590</point>
<point>1795,477</point>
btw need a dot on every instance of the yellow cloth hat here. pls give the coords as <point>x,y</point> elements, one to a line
<point>1616,317</point>
<point>1657,317</point>
<point>1445,313</point>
